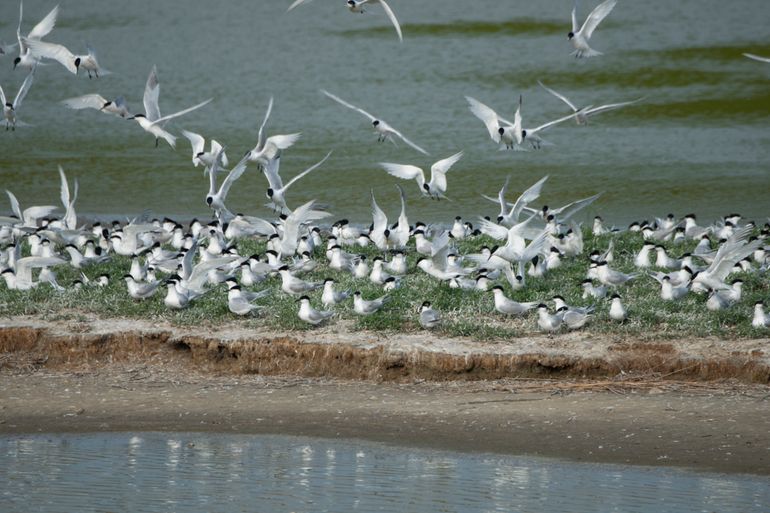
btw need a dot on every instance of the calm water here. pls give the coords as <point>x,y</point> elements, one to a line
<point>699,141</point>
<point>197,472</point>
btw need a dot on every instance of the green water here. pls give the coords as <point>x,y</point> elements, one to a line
<point>697,143</point>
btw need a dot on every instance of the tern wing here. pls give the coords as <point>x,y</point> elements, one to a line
<point>181,112</point>
<point>559,96</point>
<point>64,191</point>
<point>757,57</point>
<point>232,176</point>
<point>597,15</point>
<point>87,101</point>
<point>296,3</point>
<point>392,17</point>
<point>196,140</point>
<point>53,51</point>
<point>575,26</point>
<point>439,170</point>
<point>548,125</point>
<point>24,89</point>
<point>271,173</point>
<point>407,141</point>
<point>262,137</point>
<point>488,116</point>
<point>404,171</point>
<point>2,95</point>
<point>609,106</point>
<point>151,95</point>
<point>379,219</point>
<point>527,197</point>
<point>573,208</point>
<point>15,208</point>
<point>306,171</point>
<point>45,26</point>
<point>348,105</point>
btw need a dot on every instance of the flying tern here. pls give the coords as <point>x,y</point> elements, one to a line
<point>151,121</point>
<point>437,186</point>
<point>199,155</point>
<point>581,115</point>
<point>39,31</point>
<point>358,7</point>
<point>9,109</point>
<point>215,198</point>
<point>384,130</point>
<point>270,148</point>
<point>74,63</point>
<point>276,191</point>
<point>579,36</point>
<point>115,106</point>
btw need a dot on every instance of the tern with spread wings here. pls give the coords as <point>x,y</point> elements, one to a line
<point>437,186</point>
<point>579,36</point>
<point>384,130</point>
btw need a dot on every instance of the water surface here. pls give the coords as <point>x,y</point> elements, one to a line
<point>154,472</point>
<point>698,142</point>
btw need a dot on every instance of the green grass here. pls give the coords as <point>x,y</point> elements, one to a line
<point>466,313</point>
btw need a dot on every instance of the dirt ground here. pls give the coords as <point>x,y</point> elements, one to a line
<point>716,427</point>
<point>122,376</point>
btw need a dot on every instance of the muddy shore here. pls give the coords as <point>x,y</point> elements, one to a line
<point>91,375</point>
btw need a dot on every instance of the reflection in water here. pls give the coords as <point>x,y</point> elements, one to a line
<point>205,472</point>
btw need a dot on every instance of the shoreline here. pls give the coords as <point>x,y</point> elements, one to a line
<point>717,429</point>
<point>412,389</point>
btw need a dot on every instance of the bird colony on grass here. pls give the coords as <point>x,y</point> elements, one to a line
<point>524,260</point>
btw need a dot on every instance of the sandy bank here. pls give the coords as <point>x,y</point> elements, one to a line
<point>641,402</point>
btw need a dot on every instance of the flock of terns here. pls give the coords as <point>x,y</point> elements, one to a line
<point>192,261</point>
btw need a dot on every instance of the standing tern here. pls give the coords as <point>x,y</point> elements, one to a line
<point>429,318</point>
<point>581,115</point>
<point>151,121</point>
<point>116,106</point>
<point>437,186</point>
<point>309,314</point>
<point>579,36</point>
<point>9,109</point>
<point>39,31</point>
<point>385,131</point>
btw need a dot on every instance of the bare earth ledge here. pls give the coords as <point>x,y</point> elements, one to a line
<point>701,403</point>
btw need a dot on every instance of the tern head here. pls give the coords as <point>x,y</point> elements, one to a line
<point>501,130</point>
<point>376,122</point>
<point>304,298</point>
<point>425,305</point>
<point>200,154</point>
<point>523,134</point>
<point>77,64</point>
<point>16,62</point>
<point>138,116</point>
<point>209,200</point>
<point>426,187</point>
<point>9,105</point>
<point>570,35</point>
<point>269,192</point>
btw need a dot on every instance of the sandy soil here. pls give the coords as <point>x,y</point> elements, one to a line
<point>90,376</point>
<point>720,428</point>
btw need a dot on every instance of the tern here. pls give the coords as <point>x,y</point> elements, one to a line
<point>760,319</point>
<point>270,148</point>
<point>9,109</point>
<point>140,290</point>
<point>276,191</point>
<point>618,312</point>
<point>215,198</point>
<point>579,36</point>
<point>293,285</point>
<point>500,130</point>
<point>429,318</point>
<point>309,314</point>
<point>39,31</point>
<point>581,115</point>
<point>199,155</point>
<point>508,306</point>
<point>358,7</point>
<point>330,296</point>
<point>547,321</point>
<point>385,131</point>
<point>151,121</point>
<point>437,186</point>
<point>240,302</point>
<point>363,307</point>
<point>74,63</point>
<point>115,106</point>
